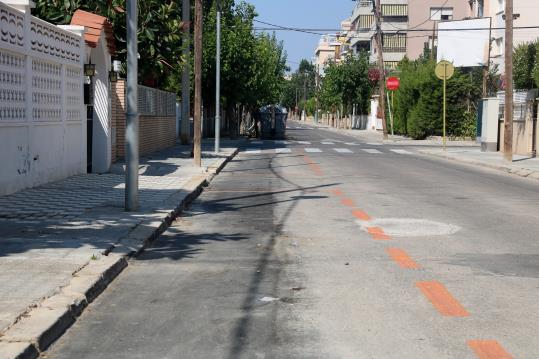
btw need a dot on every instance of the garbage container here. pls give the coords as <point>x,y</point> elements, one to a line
<point>273,121</point>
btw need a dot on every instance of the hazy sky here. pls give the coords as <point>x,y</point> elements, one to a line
<point>303,14</point>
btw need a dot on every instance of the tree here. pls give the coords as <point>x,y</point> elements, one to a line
<point>524,62</point>
<point>347,84</point>
<point>159,33</point>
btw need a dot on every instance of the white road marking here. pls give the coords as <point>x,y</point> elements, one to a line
<point>371,150</point>
<point>342,150</point>
<point>312,150</point>
<point>304,142</point>
<point>351,144</point>
<point>327,143</point>
<point>253,151</point>
<point>280,142</point>
<point>283,150</point>
<point>402,152</point>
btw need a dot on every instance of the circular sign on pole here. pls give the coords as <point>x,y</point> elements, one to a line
<point>393,83</point>
<point>444,70</point>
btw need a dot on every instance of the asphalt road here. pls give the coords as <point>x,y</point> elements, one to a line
<point>327,247</point>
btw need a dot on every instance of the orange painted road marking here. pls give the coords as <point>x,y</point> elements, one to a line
<point>440,297</point>
<point>337,192</point>
<point>359,214</point>
<point>313,166</point>
<point>402,258</point>
<point>378,234</point>
<point>347,202</point>
<point>488,349</point>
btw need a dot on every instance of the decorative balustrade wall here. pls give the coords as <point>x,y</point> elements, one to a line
<point>42,119</point>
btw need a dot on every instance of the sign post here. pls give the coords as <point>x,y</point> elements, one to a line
<point>444,71</point>
<point>392,84</point>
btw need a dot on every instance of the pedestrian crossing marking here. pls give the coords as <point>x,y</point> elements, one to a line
<point>283,150</point>
<point>253,151</point>
<point>280,142</point>
<point>371,150</point>
<point>312,150</point>
<point>402,152</point>
<point>342,150</point>
<point>328,143</point>
<point>351,144</point>
<point>304,142</point>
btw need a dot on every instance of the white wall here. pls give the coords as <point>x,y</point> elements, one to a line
<point>42,123</point>
<point>102,139</point>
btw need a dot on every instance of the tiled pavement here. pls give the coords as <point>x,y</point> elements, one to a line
<point>50,232</point>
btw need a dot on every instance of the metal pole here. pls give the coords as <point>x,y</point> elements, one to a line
<point>390,114</point>
<point>186,76</point>
<point>218,81</point>
<point>198,84</point>
<point>132,119</point>
<point>445,77</point>
<point>508,135</point>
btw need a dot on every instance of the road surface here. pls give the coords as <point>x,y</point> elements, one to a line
<point>323,246</point>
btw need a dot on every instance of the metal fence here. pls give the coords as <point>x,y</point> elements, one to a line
<point>154,102</point>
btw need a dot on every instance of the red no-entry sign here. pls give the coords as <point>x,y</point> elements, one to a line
<point>393,83</point>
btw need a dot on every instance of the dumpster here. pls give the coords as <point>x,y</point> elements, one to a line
<point>273,121</point>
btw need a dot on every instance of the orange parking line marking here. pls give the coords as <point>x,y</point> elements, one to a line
<point>442,300</point>
<point>359,214</point>
<point>488,349</point>
<point>347,202</point>
<point>378,234</point>
<point>402,258</point>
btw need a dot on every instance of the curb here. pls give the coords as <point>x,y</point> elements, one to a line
<point>521,172</point>
<point>40,326</point>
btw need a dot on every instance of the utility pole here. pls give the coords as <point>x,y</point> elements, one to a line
<point>132,118</point>
<point>382,81</point>
<point>218,81</point>
<point>508,135</point>
<point>198,84</point>
<point>186,76</point>
<point>304,113</point>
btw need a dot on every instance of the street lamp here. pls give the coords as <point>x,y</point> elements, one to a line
<point>89,69</point>
<point>218,80</point>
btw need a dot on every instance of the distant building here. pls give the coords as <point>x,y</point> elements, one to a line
<point>394,24</point>
<point>425,14</point>
<point>329,49</point>
<point>495,9</point>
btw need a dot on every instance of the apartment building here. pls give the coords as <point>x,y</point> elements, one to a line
<point>394,23</point>
<point>425,14</point>
<point>526,10</point>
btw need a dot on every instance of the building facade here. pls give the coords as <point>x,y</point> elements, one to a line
<point>526,12</point>
<point>425,14</point>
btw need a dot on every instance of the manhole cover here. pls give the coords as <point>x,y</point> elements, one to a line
<point>407,227</point>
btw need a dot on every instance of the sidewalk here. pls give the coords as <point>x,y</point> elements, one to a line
<point>521,166</point>
<point>62,243</point>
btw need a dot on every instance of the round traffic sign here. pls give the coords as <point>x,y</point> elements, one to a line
<point>444,70</point>
<point>393,83</point>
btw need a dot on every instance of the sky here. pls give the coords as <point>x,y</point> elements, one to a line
<point>302,14</point>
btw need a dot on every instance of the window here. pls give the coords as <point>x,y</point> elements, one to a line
<point>394,10</point>
<point>366,21</point>
<point>441,13</point>
<point>394,42</point>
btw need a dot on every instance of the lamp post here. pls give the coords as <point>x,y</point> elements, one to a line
<point>218,80</point>
<point>132,119</point>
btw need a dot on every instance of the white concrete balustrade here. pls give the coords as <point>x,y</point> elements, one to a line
<point>42,114</point>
